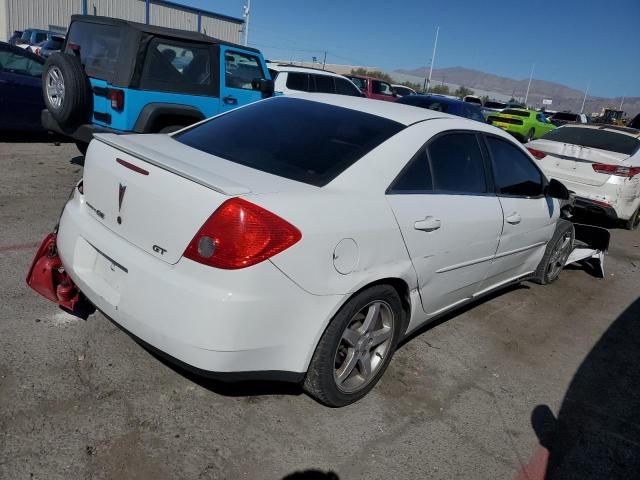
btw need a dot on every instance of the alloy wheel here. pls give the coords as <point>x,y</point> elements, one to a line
<point>365,343</point>
<point>55,87</point>
<point>559,255</point>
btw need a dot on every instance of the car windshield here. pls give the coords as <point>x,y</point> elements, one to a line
<point>361,83</point>
<point>570,117</point>
<point>302,140</point>
<point>494,104</point>
<point>520,113</point>
<point>594,138</point>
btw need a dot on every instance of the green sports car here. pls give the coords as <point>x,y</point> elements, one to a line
<point>523,124</point>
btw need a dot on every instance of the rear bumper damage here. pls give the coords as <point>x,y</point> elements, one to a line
<point>591,245</point>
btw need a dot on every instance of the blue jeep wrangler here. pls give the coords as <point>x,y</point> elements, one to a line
<point>124,77</point>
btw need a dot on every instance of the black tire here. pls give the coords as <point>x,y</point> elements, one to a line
<point>73,102</point>
<point>170,128</point>
<point>82,147</point>
<point>555,254</point>
<point>321,382</point>
<point>529,136</point>
<point>634,221</point>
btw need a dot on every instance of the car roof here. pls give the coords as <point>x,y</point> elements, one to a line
<point>631,132</point>
<point>156,30</point>
<point>283,67</point>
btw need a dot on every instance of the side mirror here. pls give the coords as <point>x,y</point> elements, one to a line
<point>556,189</point>
<point>265,86</point>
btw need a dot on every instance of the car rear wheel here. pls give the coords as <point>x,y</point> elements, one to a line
<point>556,253</point>
<point>66,90</point>
<point>356,347</point>
<point>634,222</point>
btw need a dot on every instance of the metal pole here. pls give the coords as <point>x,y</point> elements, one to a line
<point>526,97</point>
<point>247,12</point>
<point>433,58</point>
<point>585,96</point>
<point>621,103</point>
<point>324,61</point>
<point>146,12</point>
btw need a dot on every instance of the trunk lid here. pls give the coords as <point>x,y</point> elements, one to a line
<point>156,193</point>
<point>565,161</point>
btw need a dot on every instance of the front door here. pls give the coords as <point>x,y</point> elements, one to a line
<point>241,68</point>
<point>529,216</point>
<point>449,221</point>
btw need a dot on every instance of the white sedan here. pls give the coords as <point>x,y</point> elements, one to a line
<point>301,239</point>
<point>600,163</point>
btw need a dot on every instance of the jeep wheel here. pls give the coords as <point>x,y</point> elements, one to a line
<point>66,90</point>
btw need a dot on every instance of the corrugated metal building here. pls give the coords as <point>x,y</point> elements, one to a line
<point>55,15</point>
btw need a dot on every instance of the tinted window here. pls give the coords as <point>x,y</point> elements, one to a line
<point>381,88</point>
<point>569,117</point>
<point>595,138</point>
<point>177,67</point>
<point>241,69</point>
<point>477,101</point>
<point>307,141</point>
<point>99,47</point>
<point>520,113</point>
<point>18,64</point>
<point>298,81</point>
<point>403,91</point>
<point>415,178</point>
<point>40,37</point>
<point>514,172</point>
<point>345,87</point>
<point>26,36</point>
<point>424,102</point>
<point>54,44</point>
<point>456,164</point>
<point>491,104</point>
<point>324,84</point>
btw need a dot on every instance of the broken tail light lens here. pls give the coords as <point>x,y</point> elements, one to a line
<point>617,170</point>
<point>240,234</point>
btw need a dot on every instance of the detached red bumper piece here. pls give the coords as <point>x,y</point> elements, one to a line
<point>47,276</point>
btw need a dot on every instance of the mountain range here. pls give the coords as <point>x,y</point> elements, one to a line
<point>562,96</point>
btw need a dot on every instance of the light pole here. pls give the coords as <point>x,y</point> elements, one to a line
<point>585,96</point>
<point>526,97</point>
<point>433,59</point>
<point>247,11</point>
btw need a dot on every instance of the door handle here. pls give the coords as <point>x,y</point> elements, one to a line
<point>514,218</point>
<point>229,100</point>
<point>429,224</point>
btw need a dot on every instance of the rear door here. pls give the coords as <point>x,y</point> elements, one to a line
<point>20,90</point>
<point>240,68</point>
<point>382,91</point>
<point>529,216</point>
<point>450,220</point>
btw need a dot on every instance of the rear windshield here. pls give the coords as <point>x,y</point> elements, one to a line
<point>302,140</point>
<point>494,104</point>
<point>569,117</point>
<point>520,113</point>
<point>361,83</point>
<point>593,138</point>
<point>425,102</point>
<point>55,43</point>
<point>473,100</point>
<point>99,46</point>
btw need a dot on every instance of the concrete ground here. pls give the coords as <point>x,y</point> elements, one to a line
<point>535,382</point>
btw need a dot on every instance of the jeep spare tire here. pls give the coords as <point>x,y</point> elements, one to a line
<point>66,89</point>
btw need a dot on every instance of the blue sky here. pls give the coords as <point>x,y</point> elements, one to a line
<point>569,41</point>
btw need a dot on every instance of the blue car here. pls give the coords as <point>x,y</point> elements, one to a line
<point>444,104</point>
<point>118,76</point>
<point>20,92</point>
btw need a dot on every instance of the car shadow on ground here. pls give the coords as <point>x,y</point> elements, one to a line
<point>597,432</point>
<point>32,137</point>
<point>312,475</point>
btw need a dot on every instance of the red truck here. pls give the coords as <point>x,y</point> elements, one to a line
<point>373,87</point>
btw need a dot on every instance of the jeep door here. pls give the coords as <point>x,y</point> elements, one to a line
<point>237,73</point>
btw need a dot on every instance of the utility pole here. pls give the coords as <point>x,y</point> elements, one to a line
<point>433,58</point>
<point>324,61</point>
<point>585,96</point>
<point>621,103</point>
<point>246,13</point>
<point>526,97</point>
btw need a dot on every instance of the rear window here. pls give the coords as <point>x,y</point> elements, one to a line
<point>302,140</point>
<point>593,138</point>
<point>298,81</point>
<point>491,104</point>
<point>569,117</point>
<point>99,47</point>
<point>54,44</point>
<point>520,113</point>
<point>424,102</point>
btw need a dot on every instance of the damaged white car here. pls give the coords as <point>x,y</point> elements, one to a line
<point>600,163</point>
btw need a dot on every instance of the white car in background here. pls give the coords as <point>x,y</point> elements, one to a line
<point>301,239</point>
<point>291,80</point>
<point>600,163</point>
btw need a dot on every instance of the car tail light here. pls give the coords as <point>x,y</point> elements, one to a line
<point>117,99</point>
<point>536,153</point>
<point>240,234</point>
<point>37,52</point>
<point>618,170</point>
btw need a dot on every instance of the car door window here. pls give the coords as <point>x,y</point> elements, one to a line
<point>344,87</point>
<point>241,70</point>
<point>514,173</point>
<point>361,83</point>
<point>18,64</point>
<point>40,37</point>
<point>382,88</point>
<point>415,178</point>
<point>456,164</point>
<point>324,84</point>
<point>298,81</point>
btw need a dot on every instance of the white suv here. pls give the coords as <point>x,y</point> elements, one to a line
<point>600,163</point>
<point>290,79</point>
